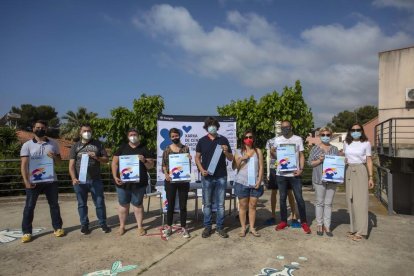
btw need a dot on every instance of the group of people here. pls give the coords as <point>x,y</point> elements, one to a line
<point>247,161</point>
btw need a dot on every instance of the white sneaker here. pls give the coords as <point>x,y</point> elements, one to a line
<point>185,233</point>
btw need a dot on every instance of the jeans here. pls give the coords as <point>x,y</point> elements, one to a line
<point>51,192</point>
<point>324,192</point>
<point>296,183</point>
<point>214,187</point>
<point>96,189</point>
<point>171,189</point>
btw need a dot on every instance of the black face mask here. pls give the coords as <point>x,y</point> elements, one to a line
<point>176,140</point>
<point>286,130</point>
<point>40,133</point>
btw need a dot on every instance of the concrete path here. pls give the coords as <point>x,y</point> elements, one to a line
<point>388,251</point>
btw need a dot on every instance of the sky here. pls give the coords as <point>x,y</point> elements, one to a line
<point>196,54</point>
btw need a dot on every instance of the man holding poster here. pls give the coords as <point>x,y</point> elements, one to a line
<point>211,153</point>
<point>43,151</point>
<point>131,179</point>
<point>289,170</point>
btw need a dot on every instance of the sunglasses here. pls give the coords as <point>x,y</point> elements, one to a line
<point>248,137</point>
<point>327,135</point>
<point>356,129</point>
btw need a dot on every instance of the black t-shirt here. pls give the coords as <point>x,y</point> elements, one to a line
<point>206,147</point>
<point>126,149</point>
<point>94,166</point>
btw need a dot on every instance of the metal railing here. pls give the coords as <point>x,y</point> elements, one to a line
<point>393,134</point>
<point>384,188</point>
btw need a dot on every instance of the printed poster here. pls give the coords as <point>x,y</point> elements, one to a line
<point>333,169</point>
<point>41,169</point>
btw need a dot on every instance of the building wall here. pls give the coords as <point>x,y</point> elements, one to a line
<point>396,73</point>
<point>369,128</point>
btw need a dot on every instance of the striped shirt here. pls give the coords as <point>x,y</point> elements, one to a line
<point>316,151</point>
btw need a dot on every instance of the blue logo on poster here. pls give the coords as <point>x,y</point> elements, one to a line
<point>166,136</point>
<point>186,129</point>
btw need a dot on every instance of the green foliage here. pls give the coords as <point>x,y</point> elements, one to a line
<point>344,119</point>
<point>70,129</point>
<point>30,113</point>
<point>262,115</point>
<point>9,144</point>
<point>143,117</point>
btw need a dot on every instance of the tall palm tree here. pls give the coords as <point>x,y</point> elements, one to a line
<point>70,129</point>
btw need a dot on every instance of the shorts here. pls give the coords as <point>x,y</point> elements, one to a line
<point>133,194</point>
<point>272,183</point>
<point>243,191</point>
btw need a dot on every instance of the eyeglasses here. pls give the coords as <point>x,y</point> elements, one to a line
<point>327,135</point>
<point>356,129</point>
<point>248,137</point>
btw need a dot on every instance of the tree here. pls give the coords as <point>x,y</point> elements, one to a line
<point>70,129</point>
<point>30,113</point>
<point>344,119</point>
<point>143,117</point>
<point>261,116</point>
<point>9,144</point>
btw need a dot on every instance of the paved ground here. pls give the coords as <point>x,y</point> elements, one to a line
<point>388,251</point>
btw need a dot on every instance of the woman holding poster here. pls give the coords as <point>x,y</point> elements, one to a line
<point>324,190</point>
<point>359,179</point>
<point>177,178</point>
<point>248,162</point>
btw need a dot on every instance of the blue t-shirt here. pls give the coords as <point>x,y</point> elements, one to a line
<point>206,148</point>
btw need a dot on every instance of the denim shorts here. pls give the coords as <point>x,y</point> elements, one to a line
<point>243,191</point>
<point>133,194</point>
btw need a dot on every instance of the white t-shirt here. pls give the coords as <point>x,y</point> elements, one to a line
<point>299,147</point>
<point>357,152</point>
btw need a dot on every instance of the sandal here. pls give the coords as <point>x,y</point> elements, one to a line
<point>319,231</point>
<point>350,234</point>
<point>121,231</point>
<point>242,233</point>
<point>254,232</point>
<point>357,238</point>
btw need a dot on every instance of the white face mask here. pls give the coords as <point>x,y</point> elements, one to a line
<point>133,139</point>
<point>87,135</point>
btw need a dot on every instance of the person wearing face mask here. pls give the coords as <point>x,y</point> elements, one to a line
<point>291,177</point>
<point>246,192</point>
<point>132,192</point>
<point>324,191</point>
<point>40,145</point>
<point>171,187</point>
<point>97,155</point>
<point>214,183</point>
<point>358,179</point>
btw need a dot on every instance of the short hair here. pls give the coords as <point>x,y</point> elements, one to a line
<point>349,138</point>
<point>174,130</point>
<point>286,121</point>
<point>211,121</point>
<point>132,129</point>
<point>325,128</point>
<point>85,125</point>
<point>43,122</point>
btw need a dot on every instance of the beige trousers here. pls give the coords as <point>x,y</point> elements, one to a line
<point>356,182</point>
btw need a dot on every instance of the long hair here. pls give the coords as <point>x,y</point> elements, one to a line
<point>243,146</point>
<point>349,138</point>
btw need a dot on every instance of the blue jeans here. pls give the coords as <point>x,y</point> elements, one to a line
<point>214,187</point>
<point>51,192</point>
<point>96,189</point>
<point>296,183</point>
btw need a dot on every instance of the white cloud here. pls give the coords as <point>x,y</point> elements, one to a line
<point>332,61</point>
<point>399,4</point>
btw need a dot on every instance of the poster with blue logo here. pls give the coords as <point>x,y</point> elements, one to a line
<point>179,167</point>
<point>129,168</point>
<point>333,169</point>
<point>286,157</point>
<point>191,130</point>
<point>41,169</point>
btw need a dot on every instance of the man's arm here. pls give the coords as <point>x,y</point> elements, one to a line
<point>24,170</point>
<point>199,165</point>
<point>72,172</point>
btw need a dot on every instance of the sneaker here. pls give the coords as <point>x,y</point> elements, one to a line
<point>85,230</point>
<point>222,233</point>
<point>141,232</point>
<point>206,232</point>
<point>26,238</point>
<point>167,232</point>
<point>306,228</point>
<point>270,221</point>
<point>105,228</point>
<point>282,225</point>
<point>185,233</point>
<point>295,223</point>
<point>59,233</point>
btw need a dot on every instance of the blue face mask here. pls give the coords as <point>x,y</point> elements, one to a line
<point>356,135</point>
<point>325,139</point>
<point>212,130</point>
